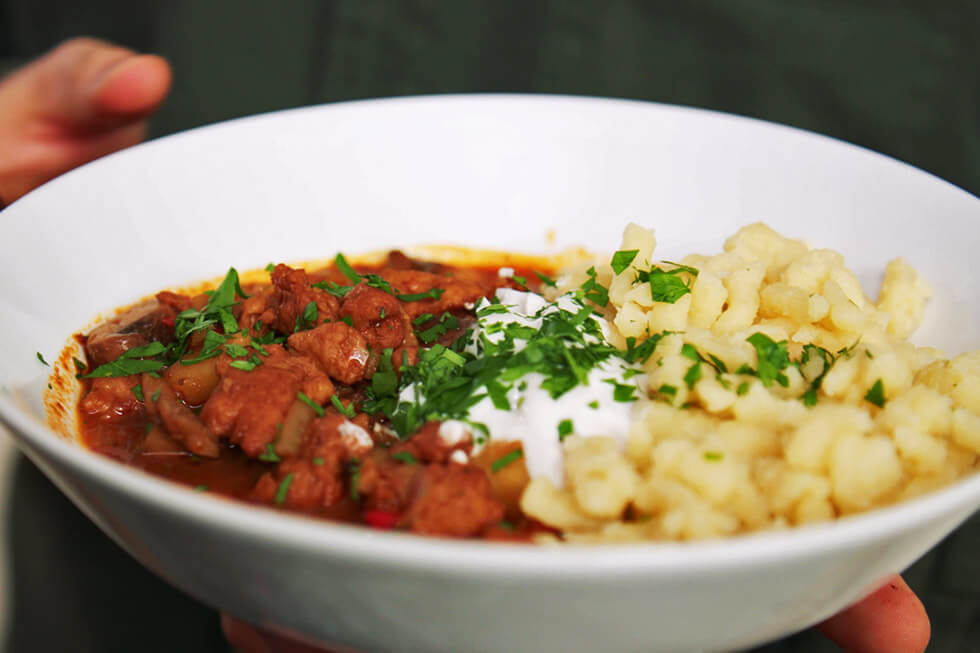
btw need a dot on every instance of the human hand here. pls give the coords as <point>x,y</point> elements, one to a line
<point>82,100</point>
<point>891,620</point>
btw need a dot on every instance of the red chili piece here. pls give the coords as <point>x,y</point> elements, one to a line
<point>381,519</point>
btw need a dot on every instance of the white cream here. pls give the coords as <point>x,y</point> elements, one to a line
<point>354,437</point>
<point>534,416</point>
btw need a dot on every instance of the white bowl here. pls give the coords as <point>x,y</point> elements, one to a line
<point>497,171</point>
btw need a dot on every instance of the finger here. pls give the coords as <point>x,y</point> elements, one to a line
<point>88,85</point>
<point>891,620</point>
<point>246,639</point>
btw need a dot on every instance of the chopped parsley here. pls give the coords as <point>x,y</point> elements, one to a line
<point>201,488</point>
<point>546,280</point>
<point>667,390</point>
<point>354,470</point>
<point>622,259</point>
<point>283,489</point>
<point>138,391</point>
<point>773,359</point>
<point>713,456</point>
<point>876,394</point>
<point>347,411</point>
<point>595,292</point>
<point>434,293</point>
<point>317,408</point>
<point>156,395</point>
<point>307,320</point>
<point>41,358</point>
<point>506,459</point>
<point>134,361</point>
<point>346,269</point>
<point>404,457</point>
<point>269,455</point>
<point>565,429</point>
<point>318,461</point>
<point>693,375</point>
<point>742,388</point>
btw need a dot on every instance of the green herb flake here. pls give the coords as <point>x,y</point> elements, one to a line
<point>269,455</point>
<point>138,391</point>
<point>594,405</point>
<point>713,456</point>
<point>317,408</point>
<point>742,388</point>
<point>594,291</point>
<point>318,461</point>
<point>434,293</point>
<point>506,459</point>
<point>346,269</point>
<point>546,280</point>
<point>283,489</point>
<point>347,411</point>
<point>156,395</point>
<point>270,267</point>
<point>688,351</point>
<point>773,358</point>
<point>41,358</point>
<point>693,375</point>
<point>200,488</point>
<point>354,470</point>
<point>565,429</point>
<point>404,457</point>
<point>505,525</point>
<point>348,320</point>
<point>622,259</point>
<point>810,398</point>
<point>667,390</point>
<point>876,394</point>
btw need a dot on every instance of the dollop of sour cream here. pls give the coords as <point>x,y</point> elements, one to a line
<point>535,418</point>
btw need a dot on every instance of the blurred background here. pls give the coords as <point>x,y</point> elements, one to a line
<point>899,77</point>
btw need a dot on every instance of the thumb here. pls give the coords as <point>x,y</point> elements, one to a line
<point>86,85</point>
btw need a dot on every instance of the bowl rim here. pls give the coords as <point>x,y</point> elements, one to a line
<point>579,561</point>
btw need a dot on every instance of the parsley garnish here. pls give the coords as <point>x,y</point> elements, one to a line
<point>269,455</point>
<point>138,391</point>
<point>283,489</point>
<point>742,388</point>
<point>404,457</point>
<point>773,358</point>
<point>594,291</point>
<point>713,456</point>
<point>41,358</point>
<point>80,367</point>
<point>876,394</point>
<point>667,390</point>
<point>594,405</point>
<point>133,361</point>
<point>346,269</point>
<point>317,408</point>
<point>666,287</point>
<point>565,429</point>
<point>307,320</point>
<point>434,293</point>
<point>693,375</point>
<point>354,469</point>
<point>318,461</point>
<point>622,259</point>
<point>506,459</point>
<point>156,395</point>
<point>346,411</point>
<point>546,280</point>
<point>201,488</point>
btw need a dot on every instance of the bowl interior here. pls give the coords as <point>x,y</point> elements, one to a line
<point>529,174</point>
